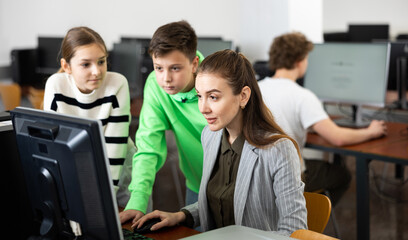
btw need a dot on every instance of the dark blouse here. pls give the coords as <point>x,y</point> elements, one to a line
<point>221,186</point>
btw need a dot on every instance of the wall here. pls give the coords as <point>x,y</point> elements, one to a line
<point>250,24</point>
<point>307,17</point>
<point>338,14</point>
<point>261,20</point>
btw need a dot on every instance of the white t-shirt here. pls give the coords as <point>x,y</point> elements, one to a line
<point>294,107</point>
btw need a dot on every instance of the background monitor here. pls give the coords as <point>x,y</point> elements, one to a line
<point>398,76</point>
<point>24,67</point>
<point>352,73</point>
<point>144,42</point>
<point>262,70</point>
<point>49,54</point>
<point>398,50</point>
<point>67,176</point>
<point>131,58</point>
<point>336,37</point>
<point>398,73</point>
<point>368,32</point>
<point>126,58</point>
<point>208,46</point>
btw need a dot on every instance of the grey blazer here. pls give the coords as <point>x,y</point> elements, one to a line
<point>268,192</point>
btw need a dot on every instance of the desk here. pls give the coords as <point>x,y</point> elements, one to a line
<point>392,148</point>
<point>168,233</point>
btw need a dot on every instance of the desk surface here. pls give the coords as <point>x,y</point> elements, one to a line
<point>390,148</point>
<point>394,145</point>
<point>168,233</point>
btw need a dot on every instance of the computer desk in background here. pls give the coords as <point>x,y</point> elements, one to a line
<point>391,148</point>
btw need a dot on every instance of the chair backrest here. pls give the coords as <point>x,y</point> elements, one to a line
<point>304,234</point>
<point>36,97</point>
<point>10,95</point>
<point>318,211</point>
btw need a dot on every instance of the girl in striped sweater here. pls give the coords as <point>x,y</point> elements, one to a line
<point>83,87</point>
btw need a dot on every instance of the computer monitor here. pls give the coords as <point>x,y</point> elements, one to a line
<point>15,205</point>
<point>67,176</point>
<point>368,32</point>
<point>397,77</point>
<point>144,42</point>
<point>208,46</point>
<point>23,67</point>
<point>262,70</point>
<point>351,73</point>
<point>48,54</point>
<point>127,59</point>
<point>336,37</point>
<point>131,58</point>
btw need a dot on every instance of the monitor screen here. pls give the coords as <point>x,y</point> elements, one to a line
<point>48,54</point>
<point>146,65</point>
<point>127,59</point>
<point>67,176</point>
<point>144,41</point>
<point>398,50</point>
<point>262,70</point>
<point>368,32</point>
<point>208,46</point>
<point>352,73</point>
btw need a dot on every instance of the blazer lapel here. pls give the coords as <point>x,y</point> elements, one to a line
<point>210,157</point>
<point>247,162</point>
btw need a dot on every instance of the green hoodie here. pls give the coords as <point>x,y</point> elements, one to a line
<point>161,112</point>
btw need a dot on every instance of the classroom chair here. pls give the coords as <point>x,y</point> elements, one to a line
<point>10,95</point>
<point>36,97</point>
<point>304,234</point>
<point>332,215</point>
<point>318,211</point>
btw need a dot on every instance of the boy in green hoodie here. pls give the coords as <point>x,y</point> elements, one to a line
<point>170,103</point>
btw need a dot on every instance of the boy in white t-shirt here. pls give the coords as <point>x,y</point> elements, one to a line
<point>297,109</point>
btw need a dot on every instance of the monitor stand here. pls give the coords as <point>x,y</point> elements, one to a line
<point>357,120</point>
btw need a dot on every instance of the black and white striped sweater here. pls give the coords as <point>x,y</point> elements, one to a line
<point>110,103</point>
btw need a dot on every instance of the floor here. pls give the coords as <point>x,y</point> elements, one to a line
<point>388,204</point>
<point>388,200</point>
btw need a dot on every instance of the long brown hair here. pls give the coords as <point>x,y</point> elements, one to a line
<point>77,37</point>
<point>259,126</point>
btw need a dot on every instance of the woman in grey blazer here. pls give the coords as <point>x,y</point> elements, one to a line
<point>251,173</point>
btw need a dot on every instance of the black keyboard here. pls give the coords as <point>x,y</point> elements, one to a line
<point>130,235</point>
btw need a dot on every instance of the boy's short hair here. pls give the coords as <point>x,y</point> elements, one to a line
<point>288,49</point>
<point>174,36</point>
